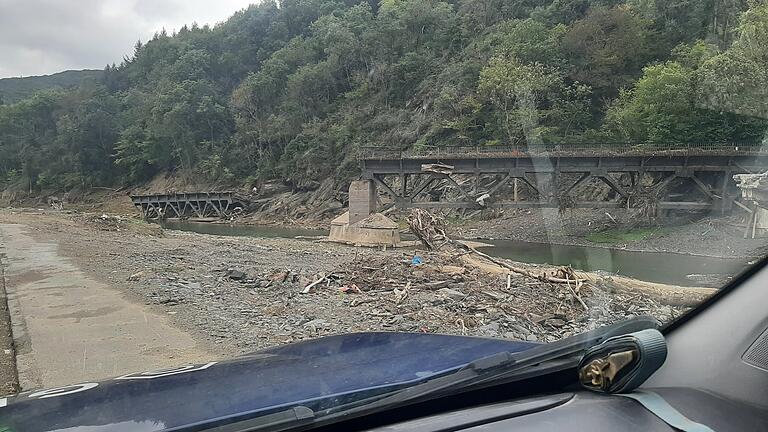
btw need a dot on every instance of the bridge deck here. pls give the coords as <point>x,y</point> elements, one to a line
<point>564,150</point>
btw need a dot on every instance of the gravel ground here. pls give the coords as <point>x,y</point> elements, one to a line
<point>240,294</point>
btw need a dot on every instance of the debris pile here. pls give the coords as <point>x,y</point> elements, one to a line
<point>428,228</point>
<point>389,293</point>
<point>445,296</point>
<point>106,222</point>
<point>246,294</point>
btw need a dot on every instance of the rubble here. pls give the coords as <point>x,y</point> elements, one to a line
<point>398,296</point>
<point>136,276</point>
<point>108,223</point>
<point>387,293</point>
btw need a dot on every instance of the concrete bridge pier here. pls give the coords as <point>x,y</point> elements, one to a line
<point>362,200</point>
<point>362,225</point>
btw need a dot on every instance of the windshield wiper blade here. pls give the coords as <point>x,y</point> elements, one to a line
<point>289,419</point>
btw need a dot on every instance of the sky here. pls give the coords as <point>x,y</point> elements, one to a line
<point>40,37</point>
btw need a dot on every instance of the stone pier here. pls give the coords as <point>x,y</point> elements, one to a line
<point>362,200</point>
<point>361,225</point>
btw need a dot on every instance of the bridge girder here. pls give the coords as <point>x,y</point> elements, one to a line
<point>541,174</point>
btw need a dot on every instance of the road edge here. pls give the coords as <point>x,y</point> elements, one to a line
<point>9,375</point>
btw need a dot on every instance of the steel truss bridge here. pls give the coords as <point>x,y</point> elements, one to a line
<point>550,174</point>
<point>182,205</point>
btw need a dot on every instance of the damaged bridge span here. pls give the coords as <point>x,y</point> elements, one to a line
<point>548,175</point>
<point>189,204</point>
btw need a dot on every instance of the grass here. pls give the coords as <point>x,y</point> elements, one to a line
<point>617,236</point>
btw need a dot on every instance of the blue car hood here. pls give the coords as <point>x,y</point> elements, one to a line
<point>317,373</point>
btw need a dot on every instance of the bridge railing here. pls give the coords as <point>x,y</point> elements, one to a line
<point>581,149</point>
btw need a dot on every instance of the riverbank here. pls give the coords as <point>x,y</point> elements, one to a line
<point>710,236</point>
<point>686,233</point>
<point>239,294</point>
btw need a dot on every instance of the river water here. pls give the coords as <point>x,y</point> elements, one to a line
<point>669,268</point>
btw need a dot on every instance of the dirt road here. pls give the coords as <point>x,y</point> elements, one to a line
<point>70,328</point>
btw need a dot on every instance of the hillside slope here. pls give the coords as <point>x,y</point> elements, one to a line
<point>15,89</point>
<point>289,90</point>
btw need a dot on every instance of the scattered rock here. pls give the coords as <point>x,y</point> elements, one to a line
<point>490,329</point>
<point>241,301</point>
<point>279,276</point>
<point>555,322</point>
<point>451,293</point>
<point>136,276</point>
<point>236,274</point>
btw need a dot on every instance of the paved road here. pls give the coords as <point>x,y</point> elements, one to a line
<point>69,328</point>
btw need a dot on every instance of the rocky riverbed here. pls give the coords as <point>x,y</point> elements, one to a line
<point>710,235</point>
<point>240,294</point>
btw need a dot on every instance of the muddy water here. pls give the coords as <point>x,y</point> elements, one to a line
<point>669,268</point>
<point>263,231</point>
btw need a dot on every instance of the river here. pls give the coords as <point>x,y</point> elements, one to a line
<point>668,268</point>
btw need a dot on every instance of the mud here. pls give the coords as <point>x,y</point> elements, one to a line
<point>70,327</point>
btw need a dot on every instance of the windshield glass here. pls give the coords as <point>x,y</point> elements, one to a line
<point>247,177</point>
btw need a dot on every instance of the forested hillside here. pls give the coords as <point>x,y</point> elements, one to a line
<point>15,89</point>
<point>289,90</point>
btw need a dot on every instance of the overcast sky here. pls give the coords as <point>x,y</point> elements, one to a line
<point>39,37</point>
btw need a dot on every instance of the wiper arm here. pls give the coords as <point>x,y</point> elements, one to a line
<point>495,368</point>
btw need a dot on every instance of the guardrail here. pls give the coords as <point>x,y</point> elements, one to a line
<point>554,150</point>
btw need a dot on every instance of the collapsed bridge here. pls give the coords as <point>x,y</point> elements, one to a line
<point>547,175</point>
<point>189,204</point>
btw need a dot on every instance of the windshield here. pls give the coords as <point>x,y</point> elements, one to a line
<point>246,178</point>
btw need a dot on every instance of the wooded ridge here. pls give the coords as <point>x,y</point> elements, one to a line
<point>290,89</point>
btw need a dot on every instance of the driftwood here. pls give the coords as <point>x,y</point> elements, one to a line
<point>428,228</point>
<point>437,168</point>
<point>564,275</point>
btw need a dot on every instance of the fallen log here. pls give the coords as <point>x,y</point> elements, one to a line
<point>672,295</point>
<point>430,230</point>
<point>566,271</point>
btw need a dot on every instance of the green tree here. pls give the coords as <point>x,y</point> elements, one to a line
<point>737,79</point>
<point>517,91</point>
<point>663,108</point>
<point>607,49</point>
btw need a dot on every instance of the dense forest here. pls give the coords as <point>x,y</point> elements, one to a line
<point>16,89</point>
<point>290,89</point>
